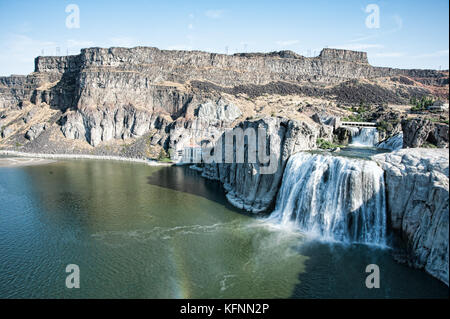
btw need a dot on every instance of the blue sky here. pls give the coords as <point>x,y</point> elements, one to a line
<point>410,34</point>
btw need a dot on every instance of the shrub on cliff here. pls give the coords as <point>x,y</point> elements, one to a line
<point>324,144</point>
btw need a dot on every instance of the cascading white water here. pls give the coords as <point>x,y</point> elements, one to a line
<point>365,136</point>
<point>393,143</point>
<point>333,197</point>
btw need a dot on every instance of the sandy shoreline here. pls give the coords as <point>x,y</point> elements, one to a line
<point>23,161</point>
<point>26,159</point>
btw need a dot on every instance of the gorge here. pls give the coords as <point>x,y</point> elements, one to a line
<point>382,188</point>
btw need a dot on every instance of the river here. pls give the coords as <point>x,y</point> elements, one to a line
<point>137,231</point>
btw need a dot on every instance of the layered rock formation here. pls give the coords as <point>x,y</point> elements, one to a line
<point>246,187</point>
<point>145,102</point>
<point>418,132</point>
<point>417,186</point>
<point>119,93</point>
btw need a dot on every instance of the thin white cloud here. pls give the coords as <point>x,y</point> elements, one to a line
<point>19,43</point>
<point>190,26</point>
<point>440,53</point>
<point>368,37</point>
<point>71,43</point>
<point>214,14</point>
<point>287,43</point>
<point>359,46</point>
<point>182,47</point>
<point>389,55</point>
<point>19,51</point>
<point>122,42</point>
<point>398,21</point>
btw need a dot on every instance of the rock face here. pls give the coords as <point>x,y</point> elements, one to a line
<point>417,186</point>
<point>180,66</point>
<point>219,111</point>
<point>99,125</point>
<point>119,93</point>
<point>35,130</point>
<point>246,187</point>
<point>5,132</point>
<point>176,99</point>
<point>416,132</point>
<point>344,55</point>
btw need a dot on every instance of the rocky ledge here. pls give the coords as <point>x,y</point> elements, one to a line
<point>417,186</point>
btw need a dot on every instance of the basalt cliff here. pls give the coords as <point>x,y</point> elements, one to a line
<point>149,103</point>
<point>106,99</point>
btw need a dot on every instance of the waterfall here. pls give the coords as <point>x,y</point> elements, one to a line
<point>365,136</point>
<point>333,197</point>
<point>393,143</point>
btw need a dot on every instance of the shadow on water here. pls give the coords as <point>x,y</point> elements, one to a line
<point>336,270</point>
<point>184,179</point>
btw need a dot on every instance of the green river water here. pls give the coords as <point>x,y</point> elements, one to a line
<point>137,231</point>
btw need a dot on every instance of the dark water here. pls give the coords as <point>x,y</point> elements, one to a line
<point>149,232</point>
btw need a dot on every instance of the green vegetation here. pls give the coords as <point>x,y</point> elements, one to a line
<point>360,113</point>
<point>165,160</point>
<point>163,157</point>
<point>384,126</point>
<point>324,144</point>
<point>438,120</point>
<point>353,118</point>
<point>361,109</point>
<point>428,145</point>
<point>421,104</point>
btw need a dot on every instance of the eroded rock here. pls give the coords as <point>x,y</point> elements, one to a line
<point>246,187</point>
<point>35,130</point>
<point>417,186</point>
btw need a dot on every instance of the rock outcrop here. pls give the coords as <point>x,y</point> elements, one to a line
<point>417,132</point>
<point>167,101</point>
<point>246,187</point>
<point>35,130</point>
<point>417,186</point>
<point>219,111</point>
<point>120,93</point>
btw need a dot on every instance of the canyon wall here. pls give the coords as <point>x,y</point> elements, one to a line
<point>174,99</point>
<point>419,132</point>
<point>417,186</point>
<point>246,187</point>
<point>119,93</point>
